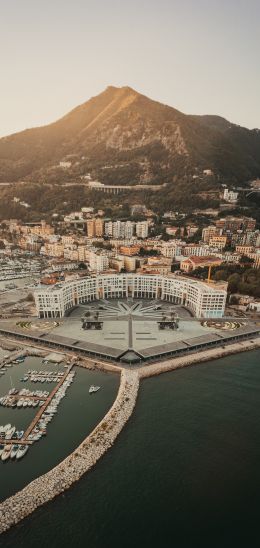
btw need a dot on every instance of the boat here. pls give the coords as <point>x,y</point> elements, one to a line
<point>20,359</point>
<point>93,389</point>
<point>22,450</point>
<point>14,451</point>
<point>6,452</point>
<point>7,427</point>
<point>9,433</point>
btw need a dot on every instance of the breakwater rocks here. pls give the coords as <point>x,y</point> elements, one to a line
<point>204,356</point>
<point>70,470</point>
<point>22,353</point>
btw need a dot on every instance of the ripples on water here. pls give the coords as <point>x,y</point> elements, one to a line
<point>184,472</point>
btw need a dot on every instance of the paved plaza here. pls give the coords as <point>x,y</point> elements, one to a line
<point>130,324</point>
<point>131,331</point>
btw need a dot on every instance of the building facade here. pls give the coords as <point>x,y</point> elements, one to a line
<point>201,299</point>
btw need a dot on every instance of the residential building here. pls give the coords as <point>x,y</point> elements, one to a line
<point>230,196</point>
<point>204,300</point>
<point>142,229</point>
<point>236,223</point>
<point>218,242</point>
<point>98,261</point>
<point>209,232</point>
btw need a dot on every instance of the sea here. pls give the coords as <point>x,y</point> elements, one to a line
<point>183,473</point>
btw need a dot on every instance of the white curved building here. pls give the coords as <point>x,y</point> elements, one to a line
<point>202,299</point>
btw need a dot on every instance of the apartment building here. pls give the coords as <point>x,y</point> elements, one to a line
<point>202,299</point>
<point>219,242</point>
<point>142,229</point>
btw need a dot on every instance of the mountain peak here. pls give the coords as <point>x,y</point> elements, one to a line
<point>128,137</point>
<point>126,88</point>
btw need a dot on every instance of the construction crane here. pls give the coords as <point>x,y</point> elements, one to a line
<point>209,274</point>
<point>209,280</point>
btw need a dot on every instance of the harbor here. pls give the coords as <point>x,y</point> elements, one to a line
<point>15,446</point>
<point>70,470</point>
<point>84,456</point>
<point>77,414</point>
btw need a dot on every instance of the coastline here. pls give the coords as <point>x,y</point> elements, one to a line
<point>58,479</point>
<point>61,477</point>
<point>200,357</point>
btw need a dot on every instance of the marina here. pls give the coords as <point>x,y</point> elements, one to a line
<point>48,407</point>
<point>77,414</point>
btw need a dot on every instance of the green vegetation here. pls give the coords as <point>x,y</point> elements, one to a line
<point>122,137</point>
<point>241,279</point>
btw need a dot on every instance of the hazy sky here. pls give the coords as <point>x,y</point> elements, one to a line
<point>200,56</point>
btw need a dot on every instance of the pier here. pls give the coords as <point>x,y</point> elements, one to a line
<point>48,399</point>
<point>85,456</point>
<point>46,403</point>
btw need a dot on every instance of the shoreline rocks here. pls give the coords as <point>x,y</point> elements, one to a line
<point>85,456</point>
<point>200,357</point>
<point>61,477</point>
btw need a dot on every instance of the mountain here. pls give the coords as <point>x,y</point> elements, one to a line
<point>121,136</point>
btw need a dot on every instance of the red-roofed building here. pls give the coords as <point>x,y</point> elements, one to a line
<point>190,264</point>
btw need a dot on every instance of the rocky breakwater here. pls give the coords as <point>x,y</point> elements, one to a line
<point>198,357</point>
<point>70,470</point>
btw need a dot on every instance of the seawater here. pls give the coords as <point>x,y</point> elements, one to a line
<point>184,472</point>
<point>78,413</point>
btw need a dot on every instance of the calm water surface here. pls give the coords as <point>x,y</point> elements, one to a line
<point>77,414</point>
<point>184,473</point>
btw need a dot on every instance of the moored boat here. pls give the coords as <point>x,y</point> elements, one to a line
<point>10,433</point>
<point>14,451</point>
<point>6,452</point>
<point>22,450</point>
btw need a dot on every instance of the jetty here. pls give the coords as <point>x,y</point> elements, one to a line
<point>56,481</point>
<point>71,469</point>
<point>45,405</point>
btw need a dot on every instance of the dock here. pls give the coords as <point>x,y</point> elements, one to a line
<point>24,440</point>
<point>46,403</point>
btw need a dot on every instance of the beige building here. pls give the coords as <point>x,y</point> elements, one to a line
<point>244,249</point>
<point>53,250</point>
<point>190,264</point>
<point>209,232</point>
<point>95,227</point>
<point>218,241</point>
<point>117,263</point>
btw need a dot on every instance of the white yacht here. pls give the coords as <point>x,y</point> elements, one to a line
<point>93,389</point>
<point>22,450</point>
<point>14,451</point>
<point>6,452</point>
<point>9,433</point>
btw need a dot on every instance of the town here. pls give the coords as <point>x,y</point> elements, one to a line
<point>213,245</point>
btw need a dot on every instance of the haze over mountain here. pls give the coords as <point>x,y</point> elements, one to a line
<point>121,136</point>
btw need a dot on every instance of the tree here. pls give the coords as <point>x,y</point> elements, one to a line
<point>233,282</point>
<point>220,275</point>
<point>244,260</point>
